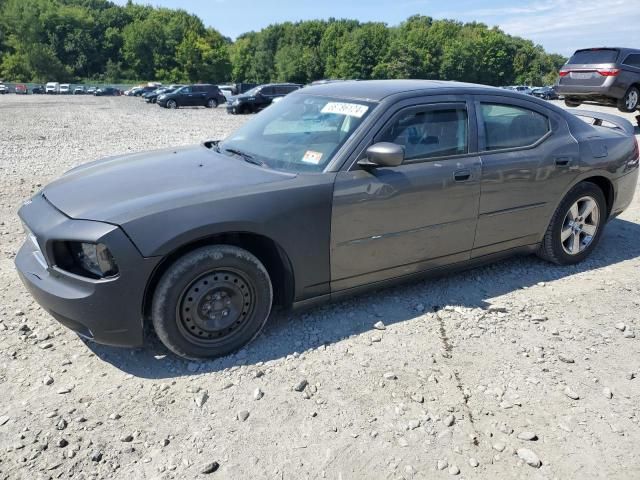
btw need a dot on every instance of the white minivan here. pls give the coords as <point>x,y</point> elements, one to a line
<point>65,89</point>
<point>52,88</point>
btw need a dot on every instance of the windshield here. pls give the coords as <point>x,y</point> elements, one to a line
<point>301,133</point>
<point>254,91</point>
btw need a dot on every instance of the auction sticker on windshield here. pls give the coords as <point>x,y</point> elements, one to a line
<point>312,157</point>
<point>343,108</point>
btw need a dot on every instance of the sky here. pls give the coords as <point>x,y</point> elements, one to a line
<point>560,26</point>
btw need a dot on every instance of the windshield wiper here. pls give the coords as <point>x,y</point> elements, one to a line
<point>247,157</point>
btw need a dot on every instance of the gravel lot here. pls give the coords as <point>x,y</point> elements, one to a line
<point>523,362</point>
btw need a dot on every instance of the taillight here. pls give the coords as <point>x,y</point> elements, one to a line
<point>609,72</point>
<point>564,73</point>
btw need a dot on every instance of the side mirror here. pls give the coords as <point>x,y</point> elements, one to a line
<point>383,154</point>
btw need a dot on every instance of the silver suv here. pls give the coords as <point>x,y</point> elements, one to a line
<point>605,76</point>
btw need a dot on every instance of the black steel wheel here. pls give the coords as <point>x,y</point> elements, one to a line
<point>211,302</point>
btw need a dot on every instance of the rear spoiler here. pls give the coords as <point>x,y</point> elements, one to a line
<point>598,118</point>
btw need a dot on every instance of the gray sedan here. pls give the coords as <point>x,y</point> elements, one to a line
<point>336,189</point>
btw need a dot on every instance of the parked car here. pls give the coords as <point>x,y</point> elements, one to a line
<point>80,90</point>
<point>335,189</point>
<point>3,89</point>
<point>52,88</point>
<point>138,92</point>
<point>21,89</point>
<point>152,97</point>
<point>546,93</point>
<point>604,76</point>
<point>65,89</point>
<point>200,95</point>
<point>522,89</point>
<point>107,92</point>
<point>38,90</point>
<point>259,97</point>
<point>91,90</point>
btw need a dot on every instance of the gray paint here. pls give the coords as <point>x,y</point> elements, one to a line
<point>343,230</point>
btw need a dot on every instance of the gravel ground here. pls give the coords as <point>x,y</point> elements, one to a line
<point>516,370</point>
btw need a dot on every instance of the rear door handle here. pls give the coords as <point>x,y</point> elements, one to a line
<point>462,175</point>
<point>563,161</point>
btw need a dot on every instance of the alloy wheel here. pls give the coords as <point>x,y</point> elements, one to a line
<point>580,225</point>
<point>632,100</point>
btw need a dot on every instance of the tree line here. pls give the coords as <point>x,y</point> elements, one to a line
<point>76,40</point>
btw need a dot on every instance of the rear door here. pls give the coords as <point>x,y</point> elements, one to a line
<point>529,158</point>
<point>393,221</point>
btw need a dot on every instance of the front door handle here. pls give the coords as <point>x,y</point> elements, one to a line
<point>563,161</point>
<point>462,175</point>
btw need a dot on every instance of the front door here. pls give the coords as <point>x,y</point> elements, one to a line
<point>529,159</point>
<point>393,221</point>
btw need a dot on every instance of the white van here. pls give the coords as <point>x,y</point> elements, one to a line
<point>52,88</point>
<point>65,89</point>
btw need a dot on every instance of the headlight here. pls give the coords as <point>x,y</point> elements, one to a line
<point>236,102</point>
<point>92,258</point>
<point>162,97</point>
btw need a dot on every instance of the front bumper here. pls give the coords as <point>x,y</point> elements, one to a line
<point>108,311</point>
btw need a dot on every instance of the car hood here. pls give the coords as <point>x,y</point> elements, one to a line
<point>121,189</point>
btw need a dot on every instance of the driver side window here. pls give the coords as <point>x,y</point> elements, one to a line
<point>429,132</point>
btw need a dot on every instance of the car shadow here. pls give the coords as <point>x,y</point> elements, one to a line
<point>291,332</point>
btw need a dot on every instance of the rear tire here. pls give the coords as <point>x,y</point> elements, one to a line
<point>572,103</point>
<point>211,302</point>
<point>631,100</point>
<point>212,103</point>
<point>576,226</point>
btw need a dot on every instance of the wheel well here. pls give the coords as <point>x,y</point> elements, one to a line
<point>607,188</point>
<point>271,255</point>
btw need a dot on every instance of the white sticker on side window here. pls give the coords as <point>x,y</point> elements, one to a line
<point>349,109</point>
<point>312,157</point>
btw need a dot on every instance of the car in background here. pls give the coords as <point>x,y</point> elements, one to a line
<point>38,90</point>
<point>336,189</point>
<point>52,88</point>
<point>260,97</point>
<point>198,95</point>
<point>21,89</point>
<point>522,89</point>
<point>107,92</point>
<point>91,90</point>
<point>603,76</point>
<point>152,97</point>
<point>65,89</point>
<point>142,90</point>
<point>3,89</point>
<point>79,90</point>
<point>227,91</point>
<point>546,93</point>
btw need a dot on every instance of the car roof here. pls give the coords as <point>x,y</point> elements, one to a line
<point>377,90</point>
<point>619,49</point>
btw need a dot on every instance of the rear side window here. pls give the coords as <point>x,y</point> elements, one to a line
<point>633,60</point>
<point>508,126</point>
<point>429,133</point>
<point>268,91</point>
<point>605,55</point>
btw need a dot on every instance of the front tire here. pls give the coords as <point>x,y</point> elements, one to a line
<point>211,302</point>
<point>212,103</point>
<point>576,226</point>
<point>630,102</point>
<point>572,103</point>
<point>172,104</point>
